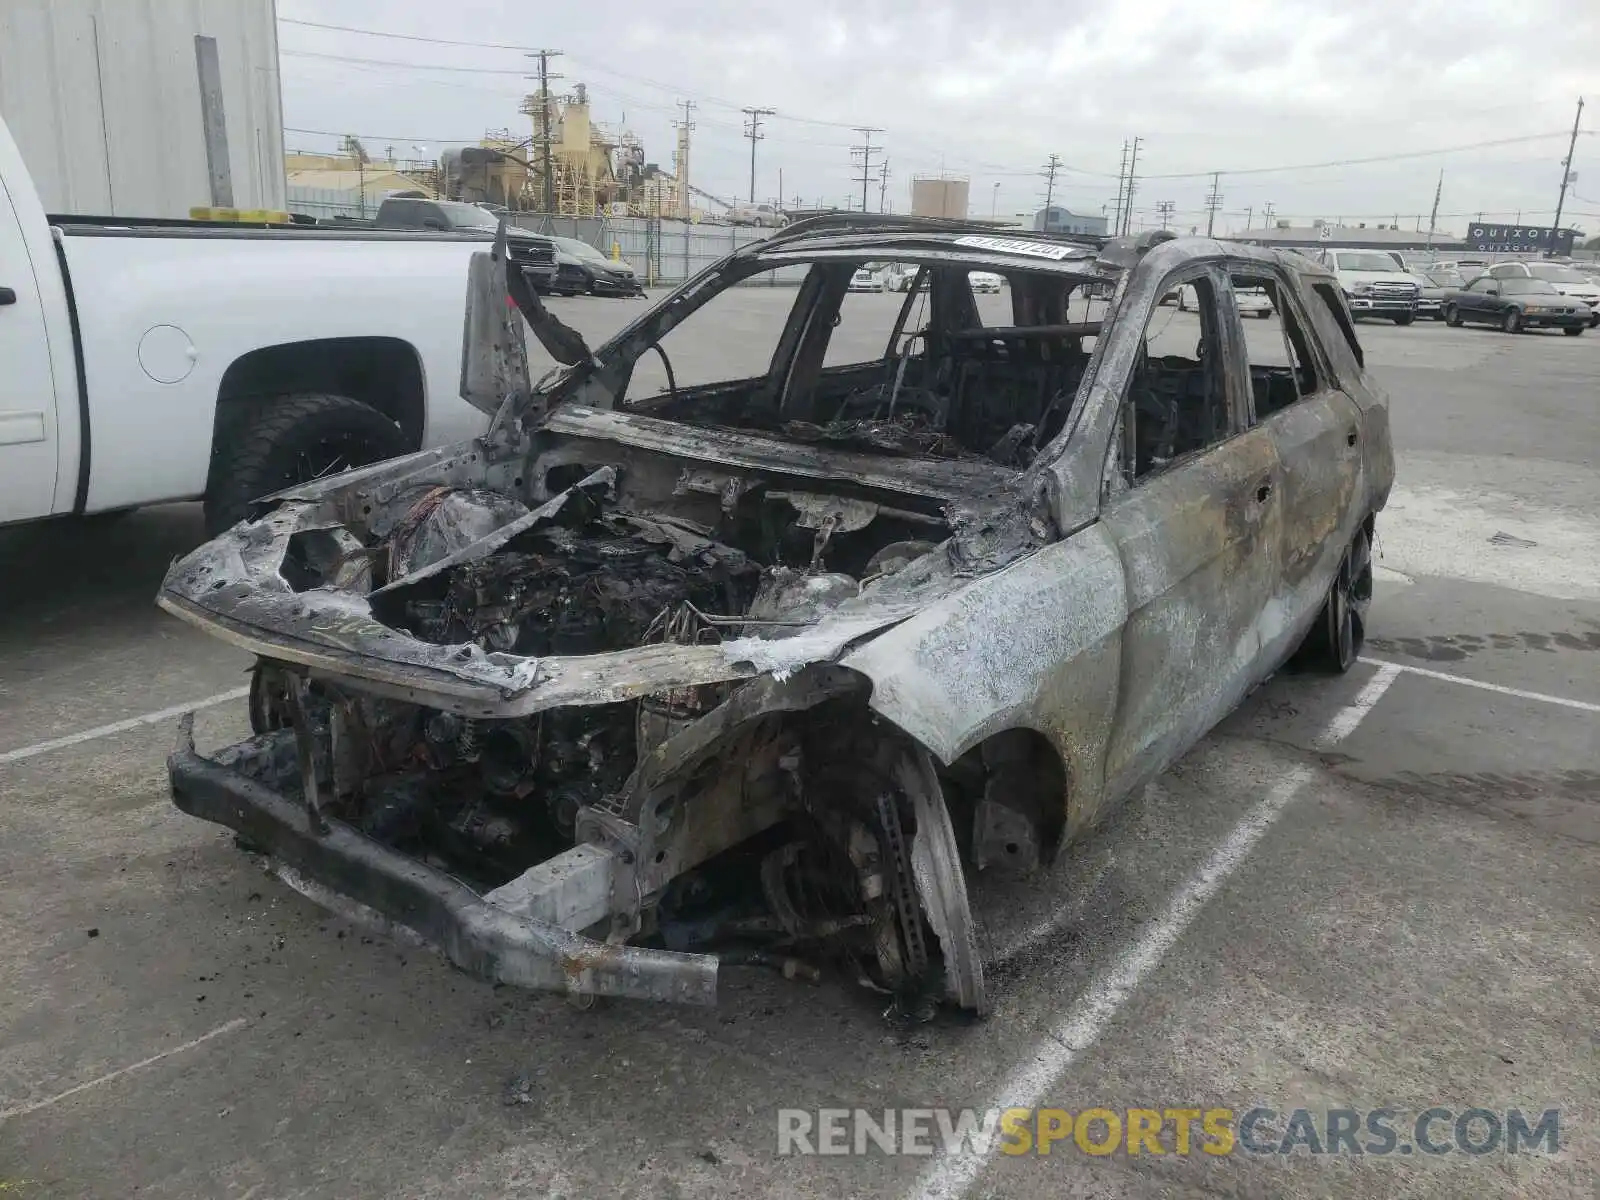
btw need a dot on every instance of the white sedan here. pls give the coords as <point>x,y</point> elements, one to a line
<point>866,279</point>
<point>1253,302</point>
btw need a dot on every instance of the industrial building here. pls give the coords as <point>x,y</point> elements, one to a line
<point>1360,236</point>
<point>1056,219</point>
<point>940,196</point>
<point>147,109</point>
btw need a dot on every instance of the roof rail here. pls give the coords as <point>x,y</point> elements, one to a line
<point>845,222</point>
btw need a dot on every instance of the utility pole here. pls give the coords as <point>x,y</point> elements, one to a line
<point>1433,217</point>
<point>1213,201</point>
<point>542,135</point>
<point>883,184</point>
<point>1122,178</point>
<point>1049,173</point>
<point>684,127</point>
<point>1266,215</point>
<point>752,130</point>
<point>1566,177</point>
<point>1133,163</point>
<point>866,150</point>
<point>1249,215</point>
<point>1165,207</point>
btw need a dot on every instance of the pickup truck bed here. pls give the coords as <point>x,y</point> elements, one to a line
<point>149,361</point>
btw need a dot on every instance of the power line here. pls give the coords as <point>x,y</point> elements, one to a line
<point>399,37</point>
<point>1356,162</point>
<point>752,130</point>
<point>390,62</point>
<point>866,150</point>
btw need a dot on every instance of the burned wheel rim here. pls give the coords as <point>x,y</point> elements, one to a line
<point>1349,602</point>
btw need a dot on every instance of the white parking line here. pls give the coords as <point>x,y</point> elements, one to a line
<point>1542,697</point>
<point>949,1177</point>
<point>35,1106</point>
<point>100,731</point>
<point>1347,718</point>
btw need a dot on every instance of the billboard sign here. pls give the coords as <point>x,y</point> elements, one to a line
<point>1519,239</point>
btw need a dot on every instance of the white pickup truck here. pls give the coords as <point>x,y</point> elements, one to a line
<point>143,362</point>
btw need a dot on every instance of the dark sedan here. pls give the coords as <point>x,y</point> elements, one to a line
<point>1515,305</point>
<point>581,269</point>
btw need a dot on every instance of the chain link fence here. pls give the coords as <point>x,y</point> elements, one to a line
<point>662,252</point>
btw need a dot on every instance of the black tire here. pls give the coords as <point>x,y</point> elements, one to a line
<point>1574,330</point>
<point>290,439</point>
<point>1404,318</point>
<point>1452,316</point>
<point>1512,321</point>
<point>1334,643</point>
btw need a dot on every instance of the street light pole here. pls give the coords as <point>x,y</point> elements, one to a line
<point>994,201</point>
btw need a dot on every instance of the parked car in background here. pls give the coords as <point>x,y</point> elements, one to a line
<point>1563,278</point>
<point>986,281</point>
<point>1437,282</point>
<point>812,647</point>
<point>755,214</point>
<point>532,252</point>
<point>901,277</point>
<point>1375,283</point>
<point>583,270</point>
<point>867,278</point>
<point>1251,302</point>
<point>1515,304</point>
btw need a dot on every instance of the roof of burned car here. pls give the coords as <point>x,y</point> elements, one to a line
<point>1001,247</point>
<point>866,231</point>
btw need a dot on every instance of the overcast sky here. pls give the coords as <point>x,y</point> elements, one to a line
<point>991,90</point>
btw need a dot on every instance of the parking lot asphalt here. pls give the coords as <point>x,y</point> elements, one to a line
<point>1378,891</point>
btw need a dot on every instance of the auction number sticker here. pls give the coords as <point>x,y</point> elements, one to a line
<point>1019,246</point>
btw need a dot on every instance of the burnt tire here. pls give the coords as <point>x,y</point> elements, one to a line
<point>1334,643</point>
<point>285,440</point>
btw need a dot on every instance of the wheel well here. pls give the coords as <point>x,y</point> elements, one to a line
<point>1019,768</point>
<point>384,373</point>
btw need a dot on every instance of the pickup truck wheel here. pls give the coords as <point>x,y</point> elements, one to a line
<point>1403,318</point>
<point>292,439</point>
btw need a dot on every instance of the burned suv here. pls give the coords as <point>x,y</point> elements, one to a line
<point>781,667</point>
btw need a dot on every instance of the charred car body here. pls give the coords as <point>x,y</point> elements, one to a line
<point>783,665</point>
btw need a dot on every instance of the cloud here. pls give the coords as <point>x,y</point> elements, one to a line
<point>990,91</point>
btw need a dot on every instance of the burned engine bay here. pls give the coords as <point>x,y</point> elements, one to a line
<point>744,861</point>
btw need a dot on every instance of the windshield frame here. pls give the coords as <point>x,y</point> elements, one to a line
<point>1527,285</point>
<point>1385,264</point>
<point>1558,273</point>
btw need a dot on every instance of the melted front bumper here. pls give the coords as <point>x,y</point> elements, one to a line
<point>474,934</point>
